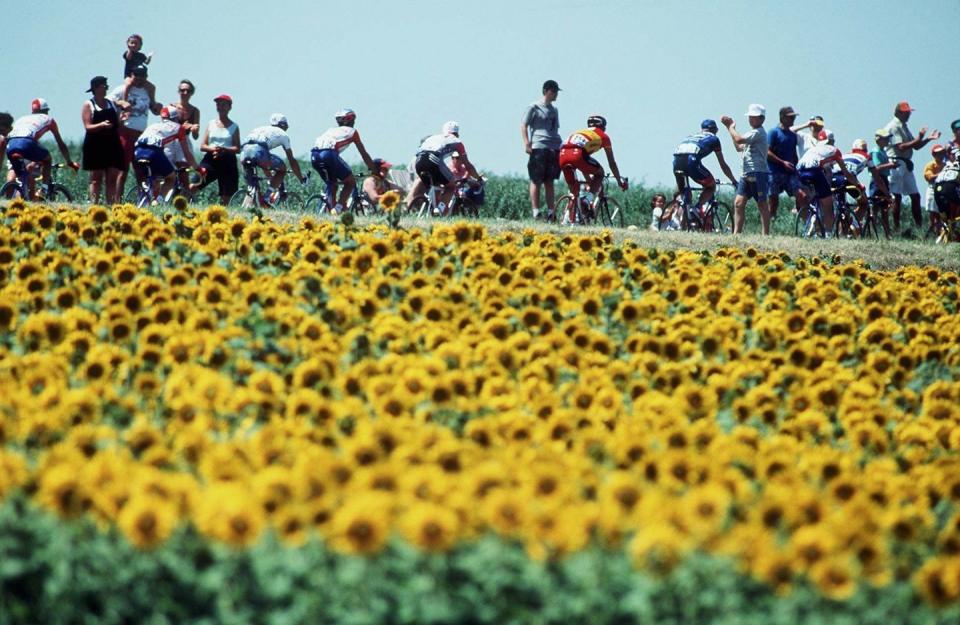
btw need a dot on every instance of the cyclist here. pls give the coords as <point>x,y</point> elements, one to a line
<point>954,146</point>
<point>930,172</point>
<point>856,161</point>
<point>688,162</point>
<point>163,144</point>
<point>432,164</point>
<point>946,191</point>
<point>812,168</point>
<point>575,155</point>
<point>256,148</point>
<point>23,141</point>
<point>326,160</point>
<point>468,188</point>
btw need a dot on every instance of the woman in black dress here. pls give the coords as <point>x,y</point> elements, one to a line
<point>102,152</point>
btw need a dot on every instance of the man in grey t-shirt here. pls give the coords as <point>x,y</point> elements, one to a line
<point>755,180</point>
<point>900,151</point>
<point>540,130</point>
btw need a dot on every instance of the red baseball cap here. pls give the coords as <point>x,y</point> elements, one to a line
<point>224,97</point>
<point>904,107</point>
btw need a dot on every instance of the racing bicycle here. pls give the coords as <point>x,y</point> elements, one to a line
<point>19,186</point>
<point>461,203</point>
<point>603,209</point>
<point>253,198</point>
<point>322,202</point>
<point>145,192</point>
<point>714,216</point>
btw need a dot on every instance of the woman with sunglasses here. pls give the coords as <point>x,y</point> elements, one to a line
<point>190,119</point>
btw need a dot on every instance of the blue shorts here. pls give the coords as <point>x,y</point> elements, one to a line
<point>27,148</point>
<point>788,183</point>
<point>690,165</point>
<point>818,180</point>
<point>330,166</point>
<point>260,155</point>
<point>754,185</point>
<point>160,165</point>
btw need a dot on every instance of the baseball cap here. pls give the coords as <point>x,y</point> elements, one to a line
<point>859,145</point>
<point>708,124</point>
<point>139,70</point>
<point>278,118</point>
<point>551,85</point>
<point>937,149</point>
<point>817,120</point>
<point>787,111</point>
<point>95,82</point>
<point>382,164</point>
<point>882,132</point>
<point>826,135</point>
<point>224,97</point>
<point>451,128</point>
<point>903,107</point>
<point>39,105</point>
<point>756,110</point>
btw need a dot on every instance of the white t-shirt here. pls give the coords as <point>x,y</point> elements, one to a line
<point>270,137</point>
<point>338,138</point>
<point>819,156</point>
<point>443,145</point>
<point>139,101</point>
<point>806,140</point>
<point>165,134</point>
<point>32,126</point>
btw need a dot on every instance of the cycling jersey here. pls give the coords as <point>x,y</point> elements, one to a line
<point>442,145</point>
<point>949,173</point>
<point>32,126</point>
<point>856,162</point>
<point>164,135</point>
<point>338,138</point>
<point>269,137</point>
<point>699,145</point>
<point>589,140</point>
<point>820,156</point>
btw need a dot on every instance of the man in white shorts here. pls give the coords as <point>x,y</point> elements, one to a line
<point>900,151</point>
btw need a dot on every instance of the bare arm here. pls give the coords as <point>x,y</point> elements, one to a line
<point>726,168</point>
<point>525,135</point>
<point>613,167</point>
<point>205,145</point>
<point>187,152</point>
<point>63,147</point>
<point>470,168</point>
<point>366,158</point>
<point>294,165</point>
<point>86,114</point>
<point>235,138</point>
<point>196,122</point>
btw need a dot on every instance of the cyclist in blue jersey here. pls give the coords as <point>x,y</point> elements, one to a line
<point>688,161</point>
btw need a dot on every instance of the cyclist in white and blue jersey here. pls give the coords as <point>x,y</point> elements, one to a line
<point>258,145</point>
<point>688,161</point>
<point>326,160</point>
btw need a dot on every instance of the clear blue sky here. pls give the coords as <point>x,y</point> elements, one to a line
<point>655,69</point>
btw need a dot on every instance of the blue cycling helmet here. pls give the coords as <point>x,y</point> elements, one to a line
<point>709,124</point>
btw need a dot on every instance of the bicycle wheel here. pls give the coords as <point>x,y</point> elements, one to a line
<point>315,203</point>
<point>291,201</point>
<point>10,190</point>
<point>690,220</point>
<point>722,218</point>
<point>419,208</point>
<point>565,210</point>
<point>612,213</point>
<point>58,191</point>
<point>243,198</point>
<point>808,224</point>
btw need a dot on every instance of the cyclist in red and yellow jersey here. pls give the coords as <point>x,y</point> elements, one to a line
<point>575,154</point>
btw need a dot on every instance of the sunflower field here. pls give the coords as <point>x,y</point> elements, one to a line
<point>208,419</point>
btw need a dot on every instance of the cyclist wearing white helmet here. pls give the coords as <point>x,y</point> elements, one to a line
<point>326,160</point>
<point>258,144</point>
<point>23,141</point>
<point>432,164</point>
<point>163,145</point>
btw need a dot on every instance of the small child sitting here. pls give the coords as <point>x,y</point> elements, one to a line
<point>132,58</point>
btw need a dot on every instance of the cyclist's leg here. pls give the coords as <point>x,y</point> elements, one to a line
<point>705,179</point>
<point>276,164</point>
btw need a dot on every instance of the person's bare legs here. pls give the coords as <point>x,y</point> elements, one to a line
<point>535,198</point>
<point>915,209</point>
<point>764,216</point>
<point>415,191</point>
<point>110,177</point>
<point>739,214</point>
<point>548,192</point>
<point>896,212</point>
<point>348,184</point>
<point>826,213</point>
<point>96,184</point>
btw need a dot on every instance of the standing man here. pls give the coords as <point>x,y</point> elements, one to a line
<point>540,130</point>
<point>782,160</point>
<point>136,103</point>
<point>754,182</point>
<point>900,150</point>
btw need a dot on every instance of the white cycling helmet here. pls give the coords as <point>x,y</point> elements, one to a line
<point>278,119</point>
<point>451,128</point>
<point>345,115</point>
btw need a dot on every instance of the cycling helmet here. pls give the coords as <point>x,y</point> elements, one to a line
<point>860,145</point>
<point>39,105</point>
<point>597,121</point>
<point>451,128</point>
<point>345,117</point>
<point>709,124</point>
<point>171,113</point>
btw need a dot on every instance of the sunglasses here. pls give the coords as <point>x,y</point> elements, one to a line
<point>185,91</point>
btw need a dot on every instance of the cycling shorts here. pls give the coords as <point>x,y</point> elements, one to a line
<point>259,155</point>
<point>573,158</point>
<point>814,177</point>
<point>330,165</point>
<point>690,165</point>
<point>160,165</point>
<point>432,170</point>
<point>28,149</point>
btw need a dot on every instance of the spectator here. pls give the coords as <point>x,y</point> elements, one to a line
<point>190,116</point>
<point>6,124</point>
<point>102,151</point>
<point>880,185</point>
<point>782,160</point>
<point>220,146</point>
<point>132,59</point>
<point>808,134</point>
<point>540,130</point>
<point>375,186</point>
<point>930,173</point>
<point>954,146</point>
<point>754,181</point>
<point>136,105</point>
<point>900,150</point>
<point>659,220</point>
